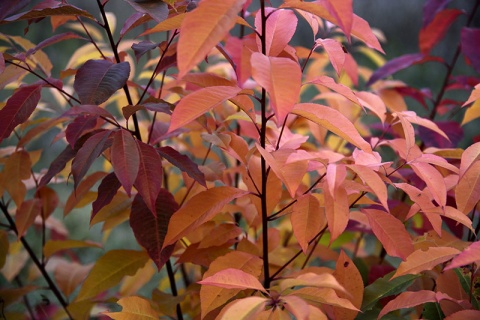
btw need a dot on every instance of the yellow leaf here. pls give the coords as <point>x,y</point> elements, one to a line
<point>134,308</point>
<point>53,246</point>
<point>472,113</point>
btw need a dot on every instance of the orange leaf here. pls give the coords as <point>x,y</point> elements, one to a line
<point>390,232</point>
<point>335,53</point>
<point>134,308</point>
<point>281,26</point>
<point>474,95</point>
<point>231,278</point>
<point>199,102</point>
<point>69,275</point>
<point>337,87</point>
<point>334,121</point>
<point>16,169</point>
<point>246,308</point>
<point>467,191</point>
<point>421,260</point>
<point>298,307</point>
<point>323,295</point>
<point>372,179</point>
<point>281,78</point>
<point>458,216</point>
<point>26,214</point>
<point>307,219</point>
<point>464,315</point>
<point>202,29</point>
<point>198,210</point>
<point>350,278</point>
<point>53,246</point>
<point>469,156</point>
<point>337,211</point>
<point>310,279</point>
<point>434,180</point>
<point>373,103</point>
<point>469,255</point>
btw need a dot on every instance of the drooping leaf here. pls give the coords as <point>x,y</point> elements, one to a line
<point>335,53</point>
<point>18,108</point>
<point>334,121</point>
<point>385,287</point>
<point>373,180</point>
<point>202,29</point>
<point>342,10</point>
<point>281,78</point>
<point>280,28</point>
<point>183,163</point>
<point>150,229</point>
<point>69,275</point>
<point>106,191</point>
<point>434,180</point>
<point>337,87</point>
<point>109,270</point>
<point>421,260</point>
<point>434,32</point>
<point>324,296</point>
<point>467,191</point>
<point>430,10</point>
<point>125,158</point>
<point>298,307</point>
<point>395,65</point>
<point>53,246</point>
<point>16,169</point>
<point>337,211</point>
<point>469,37</point>
<point>77,195</point>
<point>134,308</point>
<point>55,9</point>
<point>307,219</point>
<point>86,155</point>
<point>98,80</point>
<point>58,165</point>
<point>469,255</point>
<point>232,278</point>
<point>212,296</point>
<point>373,103</point>
<point>52,40</point>
<point>361,29</point>
<point>349,277</point>
<point>199,209</point>
<point>9,7</point>
<point>26,214</point>
<point>390,232</point>
<point>199,102</point>
<point>158,10</point>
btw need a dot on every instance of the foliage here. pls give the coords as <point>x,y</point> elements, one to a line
<point>259,179</point>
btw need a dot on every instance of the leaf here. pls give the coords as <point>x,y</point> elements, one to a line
<point>337,87</point>
<point>231,278</point>
<point>125,158</point>
<point>337,212</point>
<point>246,308</point>
<point>385,287</point>
<point>18,108</point>
<point>435,31</point>
<point>297,307</point>
<point>52,40</point>
<point>26,214</point>
<point>69,275</point>
<point>350,278</point>
<point>212,297</point>
<point>197,103</point>
<point>334,121</point>
<point>109,269</point>
<point>467,191</point>
<point>323,296</point>
<point>430,10</point>
<point>470,36</point>
<point>310,279</point>
<point>474,95</point>
<point>53,246</point>
<point>79,126</point>
<point>9,7</point>
<point>134,308</point>
<point>373,103</point>
<point>469,255</point>
<point>150,229</point>
<point>464,315</point>
<point>199,209</point>
<point>106,191</point>
<point>202,29</point>
<point>361,29</point>
<point>395,65</point>
<point>54,9</point>
<point>57,165</point>
<point>281,78</point>
<point>82,191</point>
<point>17,168</point>
<point>390,232</point>
<point>373,180</point>
<point>434,180</point>
<point>307,219</point>
<point>4,246</point>
<point>469,156</point>
<point>86,155</point>
<point>280,28</point>
<point>97,80</point>
<point>421,260</point>
<point>342,10</point>
<point>158,10</point>
<point>335,53</point>
<point>183,163</point>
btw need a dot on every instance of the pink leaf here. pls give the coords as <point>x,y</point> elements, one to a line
<point>471,254</point>
<point>125,158</point>
<point>281,26</point>
<point>337,87</point>
<point>373,180</point>
<point>434,180</point>
<point>18,108</point>
<point>231,278</point>
<point>361,29</point>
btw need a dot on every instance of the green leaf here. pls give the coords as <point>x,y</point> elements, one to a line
<point>382,288</point>
<point>465,282</point>
<point>432,311</point>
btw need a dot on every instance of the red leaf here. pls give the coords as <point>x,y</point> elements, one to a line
<point>281,26</point>
<point>183,163</point>
<point>135,20</point>
<point>434,32</point>
<point>106,191</point>
<point>390,232</point>
<point>88,109</point>
<point>158,10</point>
<point>150,174</point>
<point>86,155</point>
<point>430,10</point>
<point>78,127</point>
<point>49,200</point>
<point>18,109</point>
<point>470,38</point>
<point>125,159</point>
<point>97,80</point>
<point>150,229</point>
<point>395,65</point>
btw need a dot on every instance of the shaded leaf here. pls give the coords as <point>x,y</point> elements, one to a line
<point>430,10</point>
<point>334,121</point>
<point>297,307</point>
<point>150,229</point>
<point>395,65</point>
<point>197,103</point>
<point>281,78</point>
<point>125,158</point>
<point>109,269</point>
<point>150,174</point>
<point>52,40</point>
<point>469,37</point>
<point>390,232</point>
<point>9,7</point>
<point>467,191</point>
<point>88,109</point>
<point>421,260</point>
<point>202,29</point>
<point>18,108</point>
<point>435,31</point>
<point>26,214</point>
<point>231,278</point>
<point>69,275</point>
<point>53,246</point>
<point>97,80</point>
<point>323,296</point>
<point>106,191</point>
<point>158,10</point>
<point>474,95</point>
<point>134,308</point>
<point>58,165</point>
<point>464,315</point>
<point>17,168</point>
<point>54,9</point>
<point>199,209</point>
<point>183,163</point>
<point>469,255</point>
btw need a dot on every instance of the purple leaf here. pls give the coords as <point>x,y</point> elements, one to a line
<point>88,109</point>
<point>78,127</point>
<point>395,65</point>
<point>125,159</point>
<point>52,10</point>
<point>106,191</point>
<point>432,139</point>
<point>430,10</point>
<point>150,229</point>
<point>18,109</point>
<point>158,10</point>
<point>58,165</point>
<point>162,106</point>
<point>470,46</point>
<point>89,151</point>
<point>97,80</point>
<point>133,21</point>
<point>143,47</point>
<point>52,40</point>
<point>8,7</point>
<point>183,163</point>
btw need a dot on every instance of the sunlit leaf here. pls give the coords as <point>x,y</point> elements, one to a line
<point>307,218</point>
<point>280,28</point>
<point>134,308</point>
<point>310,279</point>
<point>373,180</point>
<point>53,246</point>
<point>469,255</point>
<point>246,308</point>
<point>349,277</point>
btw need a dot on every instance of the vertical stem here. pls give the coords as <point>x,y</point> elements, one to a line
<point>173,286</point>
<point>263,135</point>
